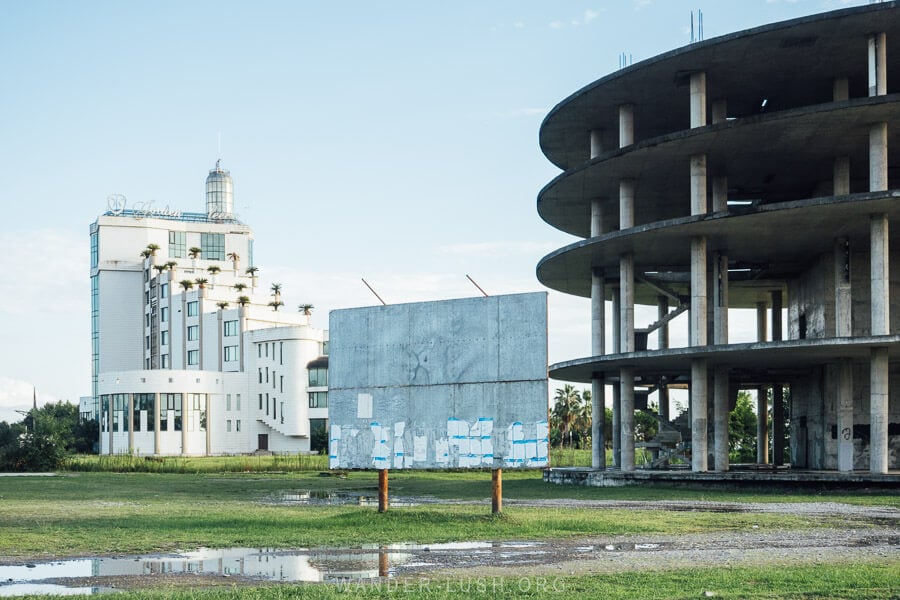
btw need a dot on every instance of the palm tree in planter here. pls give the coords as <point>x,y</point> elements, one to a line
<point>240,286</point>
<point>213,270</point>
<point>276,292</point>
<point>235,259</point>
<point>201,282</point>
<point>306,309</point>
<point>153,248</point>
<point>243,300</point>
<point>160,268</point>
<point>252,271</point>
<point>194,252</point>
<point>145,253</point>
<point>171,266</point>
<point>275,304</point>
<point>222,305</point>
<point>186,284</point>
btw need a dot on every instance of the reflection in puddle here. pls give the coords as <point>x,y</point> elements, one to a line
<point>366,562</point>
<point>331,498</point>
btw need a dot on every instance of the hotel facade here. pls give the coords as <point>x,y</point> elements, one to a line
<point>189,355</point>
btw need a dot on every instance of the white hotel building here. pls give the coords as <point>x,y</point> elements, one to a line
<point>189,356</point>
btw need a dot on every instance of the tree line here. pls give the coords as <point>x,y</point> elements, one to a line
<point>45,438</point>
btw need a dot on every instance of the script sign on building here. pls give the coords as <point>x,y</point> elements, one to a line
<point>446,384</point>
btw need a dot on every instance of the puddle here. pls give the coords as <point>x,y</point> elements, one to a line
<point>339,498</point>
<point>367,562</point>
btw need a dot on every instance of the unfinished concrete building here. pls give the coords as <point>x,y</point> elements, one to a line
<point>756,170</point>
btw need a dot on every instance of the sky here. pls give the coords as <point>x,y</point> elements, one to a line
<point>395,141</point>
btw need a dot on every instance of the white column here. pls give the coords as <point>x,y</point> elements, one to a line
<point>209,415</point>
<point>777,388</point>
<point>699,385</point>
<point>698,291</point>
<point>720,300</point>
<point>845,416</point>
<point>626,291</point>
<point>698,99</point>
<point>598,313</point>
<point>617,425</point>
<point>626,376</point>
<point>596,143</point>
<point>662,309</point>
<point>156,434</point>
<point>878,64</point>
<point>626,203</point>
<point>878,158</point>
<point>626,125</point>
<point>762,402</point>
<point>843,301</point>
<point>720,418</point>
<point>601,221</point>
<point>880,303</point>
<point>130,417</point>
<point>598,412</point>
<point>878,411</point>
<point>185,402</point>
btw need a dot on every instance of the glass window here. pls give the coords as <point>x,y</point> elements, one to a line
<point>164,314</point>
<point>231,328</point>
<point>260,377</point>
<point>164,291</point>
<point>193,357</point>
<point>318,435</point>
<point>147,342</point>
<point>192,308</point>
<point>227,401</point>
<point>231,353</point>
<point>143,403</point>
<point>95,249</point>
<point>228,425</point>
<point>163,338</point>
<point>237,425</point>
<point>147,320</point>
<point>318,377</point>
<point>260,402</point>
<point>237,402</point>
<point>259,350</point>
<point>213,246</point>
<point>164,361</point>
<point>193,333</point>
<point>177,244</point>
<point>281,383</point>
<point>325,348</point>
<point>280,353</point>
<point>267,404</point>
<point>318,399</point>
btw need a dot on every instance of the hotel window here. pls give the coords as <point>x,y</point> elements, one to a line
<point>193,333</point>
<point>282,412</point>
<point>231,328</point>
<point>274,380</point>
<point>164,361</point>
<point>227,401</point>
<point>237,402</point>
<point>163,338</point>
<point>267,404</point>
<point>267,350</point>
<point>259,350</point>
<point>274,408</point>
<point>281,383</point>
<point>325,348</point>
<point>164,314</point>
<point>143,403</point>
<point>147,320</point>
<point>260,377</point>
<point>193,357</point>
<point>318,377</point>
<point>192,308</point>
<point>267,374</point>
<point>213,246</point>
<point>95,249</point>
<point>260,402</point>
<point>231,353</point>
<point>237,425</point>
<point>228,425</point>
<point>147,342</point>
<point>177,244</point>
<point>147,297</point>
<point>164,291</point>
<point>280,353</point>
<point>318,399</point>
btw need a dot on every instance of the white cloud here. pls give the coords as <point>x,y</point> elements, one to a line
<point>590,15</point>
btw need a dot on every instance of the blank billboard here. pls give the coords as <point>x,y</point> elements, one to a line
<point>446,384</point>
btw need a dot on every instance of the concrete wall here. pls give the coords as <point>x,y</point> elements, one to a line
<point>458,383</point>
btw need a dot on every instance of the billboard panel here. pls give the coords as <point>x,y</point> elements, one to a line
<point>447,384</point>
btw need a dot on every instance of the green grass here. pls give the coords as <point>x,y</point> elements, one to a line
<point>125,463</point>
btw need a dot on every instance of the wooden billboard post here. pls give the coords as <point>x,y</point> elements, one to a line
<point>382,490</point>
<point>496,491</point>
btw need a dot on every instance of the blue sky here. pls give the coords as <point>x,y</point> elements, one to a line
<point>395,141</point>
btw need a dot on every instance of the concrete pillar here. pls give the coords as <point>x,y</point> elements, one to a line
<point>601,219</point>
<point>777,388</point>
<point>720,299</point>
<point>626,125</point>
<point>626,203</point>
<point>878,158</point>
<point>698,291</point>
<point>617,425</point>
<point>878,411</point>
<point>220,335</point>
<point>598,313</point>
<point>720,418</point>
<point>699,385</point>
<point>840,89</point>
<point>878,64</point>
<point>662,309</point>
<point>720,193</point>
<point>698,99</point>
<point>845,416</point>
<point>880,275</point>
<point>156,434</point>
<point>698,184</point>
<point>617,321</point>
<point>843,301</point>
<point>185,402</point>
<point>596,143</point>
<point>626,378</point>
<point>719,111</point>
<point>598,412</point>
<point>841,176</point>
<point>130,417</point>
<point>109,417</point>
<point>762,402</point>
<point>209,404</point>
<point>626,292</point>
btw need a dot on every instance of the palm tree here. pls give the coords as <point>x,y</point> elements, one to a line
<point>160,268</point>
<point>213,269</point>
<point>251,271</point>
<point>240,286</point>
<point>153,249</point>
<point>171,265</point>
<point>565,409</point>
<point>306,309</point>
<point>186,284</point>
<point>276,292</point>
<point>235,259</point>
<point>201,282</point>
<point>145,253</point>
<point>222,305</point>
<point>243,300</point>
<point>275,304</point>
<point>194,252</point>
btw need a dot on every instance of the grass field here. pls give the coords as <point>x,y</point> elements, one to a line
<point>215,504</point>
